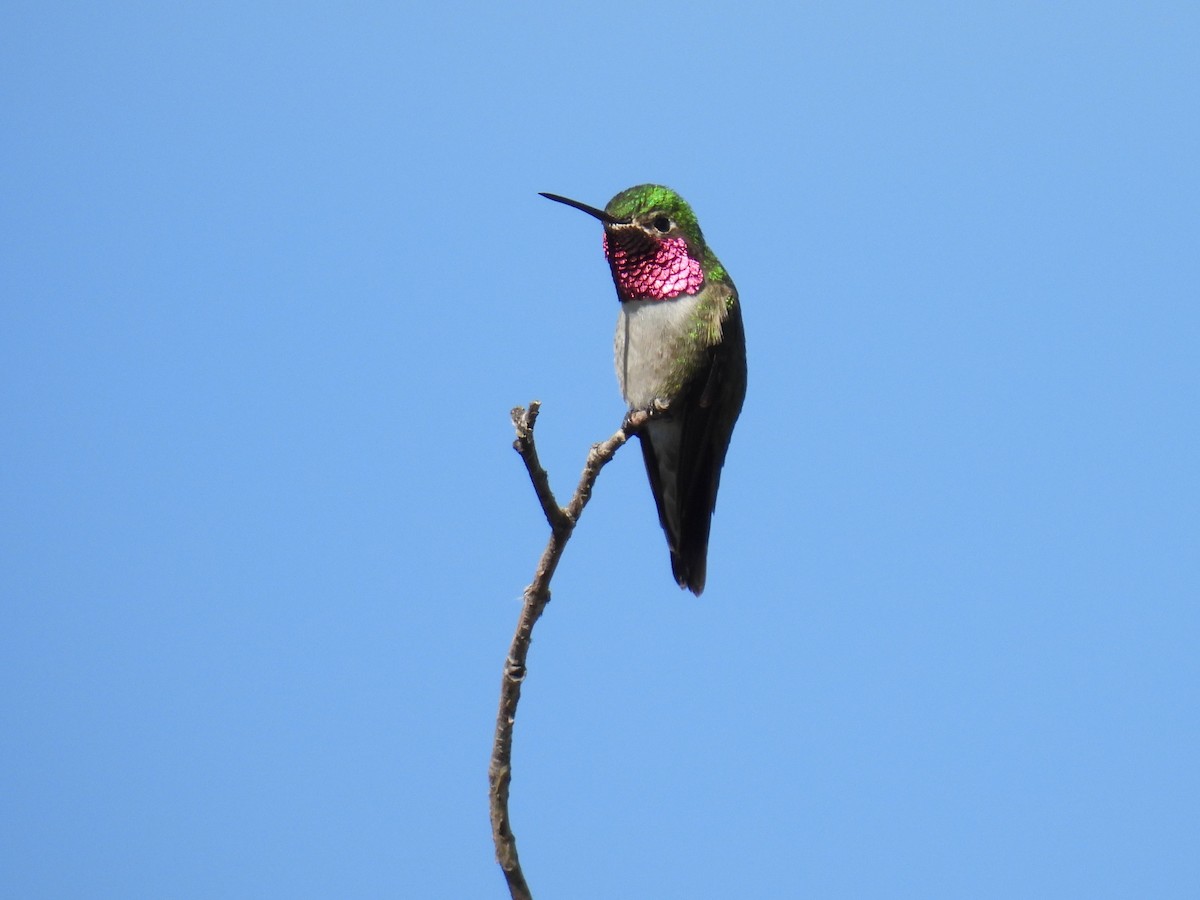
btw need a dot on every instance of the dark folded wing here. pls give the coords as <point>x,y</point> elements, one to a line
<point>704,415</point>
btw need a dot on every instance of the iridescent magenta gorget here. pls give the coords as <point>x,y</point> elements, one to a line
<point>657,270</point>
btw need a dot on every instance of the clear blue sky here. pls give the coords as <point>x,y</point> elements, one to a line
<point>272,277</point>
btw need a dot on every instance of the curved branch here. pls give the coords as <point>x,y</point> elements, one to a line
<point>562,521</point>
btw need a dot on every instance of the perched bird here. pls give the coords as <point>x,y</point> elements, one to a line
<point>680,351</point>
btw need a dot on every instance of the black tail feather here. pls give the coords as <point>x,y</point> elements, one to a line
<point>696,494</point>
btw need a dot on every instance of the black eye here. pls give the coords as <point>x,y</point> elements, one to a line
<point>662,223</point>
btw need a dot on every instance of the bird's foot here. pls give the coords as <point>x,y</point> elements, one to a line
<point>636,418</point>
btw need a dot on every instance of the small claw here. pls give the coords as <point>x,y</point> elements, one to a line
<point>636,418</point>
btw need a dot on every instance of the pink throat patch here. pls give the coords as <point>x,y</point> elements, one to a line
<point>658,272</point>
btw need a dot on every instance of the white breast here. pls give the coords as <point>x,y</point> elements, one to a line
<point>647,344</point>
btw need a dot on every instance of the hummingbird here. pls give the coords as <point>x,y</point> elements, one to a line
<point>680,352</point>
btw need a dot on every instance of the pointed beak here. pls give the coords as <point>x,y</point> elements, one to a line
<point>590,210</point>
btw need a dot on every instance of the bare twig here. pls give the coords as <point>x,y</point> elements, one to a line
<point>562,522</point>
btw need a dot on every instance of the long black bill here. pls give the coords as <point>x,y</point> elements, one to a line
<point>590,210</point>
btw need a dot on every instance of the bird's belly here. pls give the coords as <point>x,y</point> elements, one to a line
<point>648,344</point>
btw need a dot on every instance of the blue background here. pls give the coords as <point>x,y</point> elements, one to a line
<point>272,276</point>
